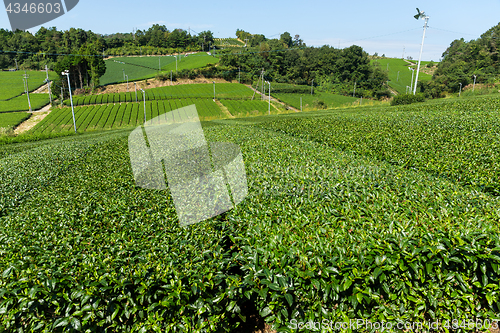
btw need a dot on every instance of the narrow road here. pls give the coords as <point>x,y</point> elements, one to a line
<point>36,117</point>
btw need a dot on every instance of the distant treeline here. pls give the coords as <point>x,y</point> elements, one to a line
<point>464,60</point>
<point>46,45</point>
<point>287,60</point>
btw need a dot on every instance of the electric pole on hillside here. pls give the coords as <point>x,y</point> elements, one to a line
<point>48,83</point>
<point>420,15</point>
<point>66,72</point>
<point>26,87</point>
<point>412,72</point>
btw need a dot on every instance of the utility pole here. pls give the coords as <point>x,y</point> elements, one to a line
<point>48,83</point>
<point>17,68</point>
<point>269,97</point>
<point>262,83</point>
<point>412,72</point>
<point>123,74</point>
<point>426,18</point>
<point>474,85</point>
<point>135,83</point>
<point>26,76</point>
<point>144,97</point>
<point>312,86</point>
<point>403,52</point>
<point>71,98</point>
<point>354,92</point>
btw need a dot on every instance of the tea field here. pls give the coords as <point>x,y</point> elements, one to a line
<point>11,83</point>
<point>399,74</point>
<point>310,102</point>
<point>12,119</point>
<point>201,90</point>
<point>383,214</point>
<point>20,103</point>
<point>108,116</point>
<point>138,68</point>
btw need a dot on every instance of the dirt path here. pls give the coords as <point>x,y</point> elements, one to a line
<point>224,109</point>
<point>41,90</point>
<point>36,117</point>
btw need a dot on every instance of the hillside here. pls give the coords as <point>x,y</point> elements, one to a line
<point>399,73</point>
<point>464,60</point>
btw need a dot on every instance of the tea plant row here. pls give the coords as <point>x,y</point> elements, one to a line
<point>325,233</point>
<point>222,91</point>
<point>109,116</point>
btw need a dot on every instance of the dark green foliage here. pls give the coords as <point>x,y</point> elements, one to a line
<point>381,214</point>
<point>462,60</point>
<point>407,99</point>
<point>285,88</point>
<point>12,119</point>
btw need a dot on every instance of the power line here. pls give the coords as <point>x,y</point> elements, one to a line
<point>394,33</point>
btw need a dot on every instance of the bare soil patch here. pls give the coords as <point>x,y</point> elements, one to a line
<point>36,117</point>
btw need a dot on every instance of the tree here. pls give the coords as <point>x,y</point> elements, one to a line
<point>286,39</point>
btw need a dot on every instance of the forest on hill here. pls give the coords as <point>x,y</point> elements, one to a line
<point>464,61</point>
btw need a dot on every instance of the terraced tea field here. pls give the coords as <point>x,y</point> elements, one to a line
<point>309,101</point>
<point>135,67</point>
<point>11,83</point>
<point>120,115</point>
<point>20,103</point>
<point>12,119</point>
<point>399,81</point>
<point>138,68</point>
<point>222,91</point>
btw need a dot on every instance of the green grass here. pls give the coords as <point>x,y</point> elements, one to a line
<point>380,213</point>
<point>240,108</point>
<point>138,68</point>
<point>12,119</point>
<point>399,82</point>
<point>191,61</point>
<point>135,67</point>
<point>11,83</point>
<point>308,100</point>
<point>20,103</point>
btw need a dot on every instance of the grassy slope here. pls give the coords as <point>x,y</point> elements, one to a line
<point>192,61</point>
<point>331,100</point>
<point>399,65</point>
<point>21,103</point>
<point>147,67</point>
<point>12,119</point>
<point>11,83</point>
<point>309,204</point>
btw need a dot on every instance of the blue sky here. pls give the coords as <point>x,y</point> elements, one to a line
<point>383,27</point>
